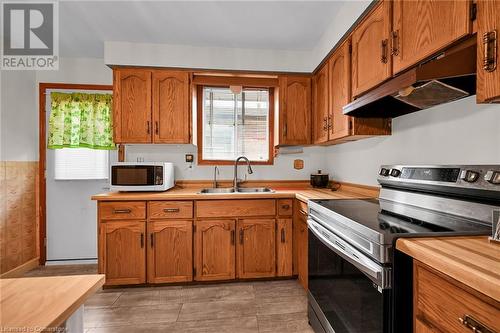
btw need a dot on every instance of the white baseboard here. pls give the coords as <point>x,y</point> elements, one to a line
<point>71,262</point>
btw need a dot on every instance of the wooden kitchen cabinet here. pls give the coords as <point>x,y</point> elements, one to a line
<point>488,33</point>
<point>256,252</point>
<point>321,106</point>
<point>300,241</point>
<point>151,106</point>
<point>284,237</point>
<point>294,121</point>
<point>122,252</point>
<point>421,28</point>
<point>171,103</point>
<point>170,251</point>
<point>440,302</point>
<point>215,250</point>
<point>371,59</point>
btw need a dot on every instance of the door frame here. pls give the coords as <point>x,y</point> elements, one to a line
<point>42,156</point>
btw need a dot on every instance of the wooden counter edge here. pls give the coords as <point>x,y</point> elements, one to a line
<point>412,248</point>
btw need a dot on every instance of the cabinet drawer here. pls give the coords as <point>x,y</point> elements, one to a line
<point>302,208</point>
<point>170,209</point>
<point>119,210</point>
<point>235,208</point>
<point>285,207</point>
<point>441,303</point>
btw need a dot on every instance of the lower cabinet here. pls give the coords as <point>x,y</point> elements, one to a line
<point>300,247</point>
<point>215,250</point>
<point>256,248</point>
<point>284,257</point>
<point>170,251</point>
<point>123,252</point>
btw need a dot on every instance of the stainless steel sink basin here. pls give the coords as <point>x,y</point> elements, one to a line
<point>239,190</point>
<point>217,190</point>
<point>254,190</point>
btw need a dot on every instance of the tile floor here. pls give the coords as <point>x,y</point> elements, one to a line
<point>253,307</point>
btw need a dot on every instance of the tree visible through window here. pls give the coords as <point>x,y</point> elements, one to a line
<point>235,124</point>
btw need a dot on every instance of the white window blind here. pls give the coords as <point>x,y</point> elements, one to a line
<point>81,163</point>
<point>235,124</point>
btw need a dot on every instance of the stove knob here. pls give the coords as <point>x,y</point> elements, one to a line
<point>395,172</point>
<point>492,177</point>
<point>384,172</point>
<point>469,176</point>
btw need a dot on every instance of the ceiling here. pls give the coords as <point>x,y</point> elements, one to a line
<point>277,25</point>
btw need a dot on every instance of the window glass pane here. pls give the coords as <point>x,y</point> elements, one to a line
<point>81,163</point>
<point>235,124</point>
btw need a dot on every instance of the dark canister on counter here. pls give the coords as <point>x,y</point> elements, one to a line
<point>319,179</point>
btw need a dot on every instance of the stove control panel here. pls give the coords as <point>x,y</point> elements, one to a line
<point>469,176</point>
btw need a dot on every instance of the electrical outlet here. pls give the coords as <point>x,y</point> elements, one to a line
<point>189,158</point>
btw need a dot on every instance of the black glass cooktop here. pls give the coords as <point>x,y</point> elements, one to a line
<point>380,217</point>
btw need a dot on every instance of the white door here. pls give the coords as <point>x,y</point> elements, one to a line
<point>71,215</point>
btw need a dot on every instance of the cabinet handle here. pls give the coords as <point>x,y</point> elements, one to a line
<point>241,236</point>
<point>282,235</point>
<point>474,325</point>
<point>325,125</point>
<point>303,212</point>
<point>147,126</point>
<point>142,240</point>
<point>171,210</point>
<point>157,130</point>
<point>232,237</point>
<point>285,206</point>
<point>122,211</point>
<point>395,43</point>
<point>152,240</point>
<point>383,47</point>
<point>490,51</point>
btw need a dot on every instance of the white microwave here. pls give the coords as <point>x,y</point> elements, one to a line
<point>141,176</point>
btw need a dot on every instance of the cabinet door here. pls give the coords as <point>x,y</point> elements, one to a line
<point>170,251</point>
<point>371,61</point>
<point>132,105</point>
<point>256,248</point>
<point>320,104</point>
<point>124,252</point>
<point>340,92</point>
<point>295,110</point>
<point>215,250</point>
<point>171,113</point>
<point>302,251</point>
<point>422,28</point>
<point>488,68</point>
<point>284,239</point>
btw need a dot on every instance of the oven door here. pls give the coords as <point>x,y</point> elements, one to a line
<point>348,292</point>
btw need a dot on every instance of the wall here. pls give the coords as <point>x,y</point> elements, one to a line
<point>460,132</point>
<point>282,169</point>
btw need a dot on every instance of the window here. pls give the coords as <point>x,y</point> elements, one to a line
<point>235,124</point>
<point>81,163</point>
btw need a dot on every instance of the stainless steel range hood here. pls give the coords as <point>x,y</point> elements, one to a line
<point>447,77</point>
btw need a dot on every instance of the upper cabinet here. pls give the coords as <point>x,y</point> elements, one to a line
<point>371,60</point>
<point>321,110</point>
<point>294,122</point>
<point>132,105</point>
<point>422,28</point>
<point>151,106</point>
<point>171,100</point>
<point>488,31</point>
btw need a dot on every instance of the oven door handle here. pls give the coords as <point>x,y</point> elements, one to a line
<point>378,274</point>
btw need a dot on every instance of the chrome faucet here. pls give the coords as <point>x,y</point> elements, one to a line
<point>250,171</point>
<point>216,172</point>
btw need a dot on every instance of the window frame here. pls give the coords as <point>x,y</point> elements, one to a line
<point>199,123</point>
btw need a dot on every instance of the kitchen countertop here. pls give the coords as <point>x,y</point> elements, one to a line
<point>192,193</point>
<point>473,260</point>
<point>33,304</point>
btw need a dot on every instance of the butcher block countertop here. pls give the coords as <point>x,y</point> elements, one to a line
<point>472,260</point>
<point>34,304</point>
<point>299,191</point>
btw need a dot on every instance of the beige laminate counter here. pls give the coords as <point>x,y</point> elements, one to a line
<point>192,193</point>
<point>473,260</point>
<point>34,304</point>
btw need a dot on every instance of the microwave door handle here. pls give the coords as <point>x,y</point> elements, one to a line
<point>371,270</point>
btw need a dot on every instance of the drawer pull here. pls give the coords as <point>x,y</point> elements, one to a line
<point>122,211</point>
<point>474,325</point>
<point>171,210</point>
<point>303,212</point>
<point>490,51</point>
<point>286,206</point>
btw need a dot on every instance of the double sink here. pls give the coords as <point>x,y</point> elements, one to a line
<point>228,190</point>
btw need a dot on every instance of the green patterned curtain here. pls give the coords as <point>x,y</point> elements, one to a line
<point>80,120</point>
